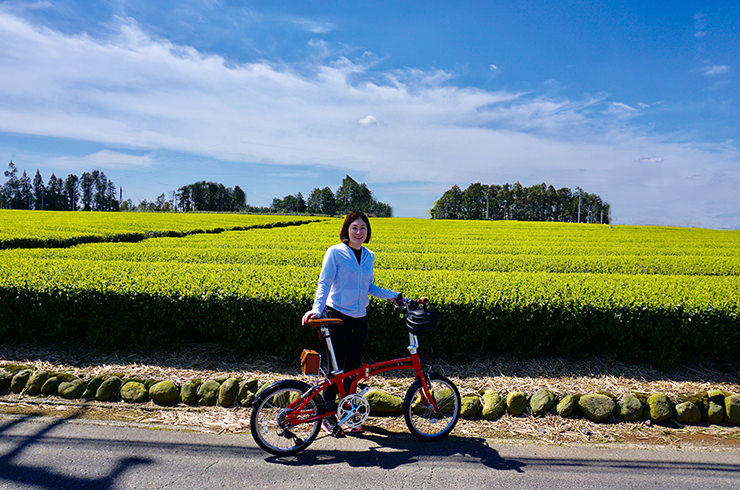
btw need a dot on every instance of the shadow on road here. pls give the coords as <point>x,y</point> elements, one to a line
<point>11,472</point>
<point>393,451</point>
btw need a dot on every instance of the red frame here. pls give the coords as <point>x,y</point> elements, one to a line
<point>363,372</point>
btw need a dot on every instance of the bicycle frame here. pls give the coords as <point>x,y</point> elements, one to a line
<point>297,415</point>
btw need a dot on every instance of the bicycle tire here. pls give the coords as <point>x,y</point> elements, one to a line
<point>422,420</point>
<point>266,426</point>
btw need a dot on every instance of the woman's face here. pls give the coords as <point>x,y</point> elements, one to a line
<point>357,233</point>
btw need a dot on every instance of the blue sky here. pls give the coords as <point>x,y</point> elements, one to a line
<point>635,101</point>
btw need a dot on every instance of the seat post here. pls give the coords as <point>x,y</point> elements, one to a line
<point>330,348</point>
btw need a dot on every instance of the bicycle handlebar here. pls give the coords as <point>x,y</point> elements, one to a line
<point>406,302</point>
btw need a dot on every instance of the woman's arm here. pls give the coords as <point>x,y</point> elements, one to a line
<point>326,279</point>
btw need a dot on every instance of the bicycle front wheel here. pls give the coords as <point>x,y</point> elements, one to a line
<point>422,419</point>
<point>269,424</point>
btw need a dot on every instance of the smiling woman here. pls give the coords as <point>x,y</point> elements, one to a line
<point>344,287</point>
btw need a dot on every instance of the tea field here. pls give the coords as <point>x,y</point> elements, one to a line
<point>652,294</point>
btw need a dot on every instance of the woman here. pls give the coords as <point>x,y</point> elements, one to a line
<point>345,282</point>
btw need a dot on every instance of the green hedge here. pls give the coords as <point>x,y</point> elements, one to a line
<point>131,237</point>
<point>658,336</point>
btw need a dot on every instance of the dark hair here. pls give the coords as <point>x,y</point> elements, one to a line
<point>354,215</point>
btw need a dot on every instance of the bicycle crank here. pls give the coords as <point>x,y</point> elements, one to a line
<point>353,410</point>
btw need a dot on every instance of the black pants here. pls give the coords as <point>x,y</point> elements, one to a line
<point>347,340</point>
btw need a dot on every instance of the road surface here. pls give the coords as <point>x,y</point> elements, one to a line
<point>44,452</point>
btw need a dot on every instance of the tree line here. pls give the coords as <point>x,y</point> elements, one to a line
<point>350,196</point>
<point>92,191</point>
<point>540,202</point>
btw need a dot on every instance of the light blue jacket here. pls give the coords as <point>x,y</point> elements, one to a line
<point>345,285</point>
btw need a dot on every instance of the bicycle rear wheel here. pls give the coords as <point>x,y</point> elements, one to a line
<point>268,420</point>
<point>422,419</point>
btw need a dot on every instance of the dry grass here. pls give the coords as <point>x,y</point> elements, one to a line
<point>501,374</point>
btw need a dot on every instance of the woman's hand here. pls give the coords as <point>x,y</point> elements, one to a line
<point>308,316</point>
<point>398,300</point>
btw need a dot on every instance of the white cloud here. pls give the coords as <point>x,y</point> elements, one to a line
<point>620,110</point>
<point>650,159</point>
<point>312,26</point>
<point>134,91</point>
<point>714,70</point>
<point>103,159</point>
<point>700,25</point>
<point>368,121</point>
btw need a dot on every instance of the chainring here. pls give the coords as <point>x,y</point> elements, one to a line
<point>353,411</point>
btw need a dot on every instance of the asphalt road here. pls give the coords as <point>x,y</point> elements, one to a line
<point>42,452</point>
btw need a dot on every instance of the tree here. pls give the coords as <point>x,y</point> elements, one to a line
<point>536,203</point>
<point>327,202</point>
<point>313,203</point>
<point>110,197</point>
<point>289,204</point>
<point>473,202</point>
<point>71,191</point>
<point>347,195</point>
<point>38,192</point>
<point>25,192</point>
<point>55,199</point>
<point>450,205</point>
<point>210,196</point>
<point>239,198</point>
<point>11,188</point>
<point>86,188</point>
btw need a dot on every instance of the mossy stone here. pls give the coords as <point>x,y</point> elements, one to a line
<point>732,409</point>
<point>470,406</point>
<point>5,378</point>
<point>252,384</point>
<point>189,392</point>
<point>164,393</point>
<point>688,413</point>
<point>245,396</point>
<point>134,392</point>
<point>597,406</point>
<point>541,401</point>
<point>66,377</point>
<point>660,407</point>
<point>19,380</point>
<point>629,408</point>
<point>566,407</point>
<point>716,395</point>
<point>382,403</point>
<point>92,387</point>
<point>494,405</point>
<point>50,386</point>
<point>71,389</point>
<point>715,412</point>
<point>36,381</point>
<point>516,403</point>
<point>227,392</point>
<point>208,393</point>
<point>108,389</point>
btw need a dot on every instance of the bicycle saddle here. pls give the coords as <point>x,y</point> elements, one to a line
<point>320,322</point>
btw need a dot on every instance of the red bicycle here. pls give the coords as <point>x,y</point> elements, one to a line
<point>287,414</point>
